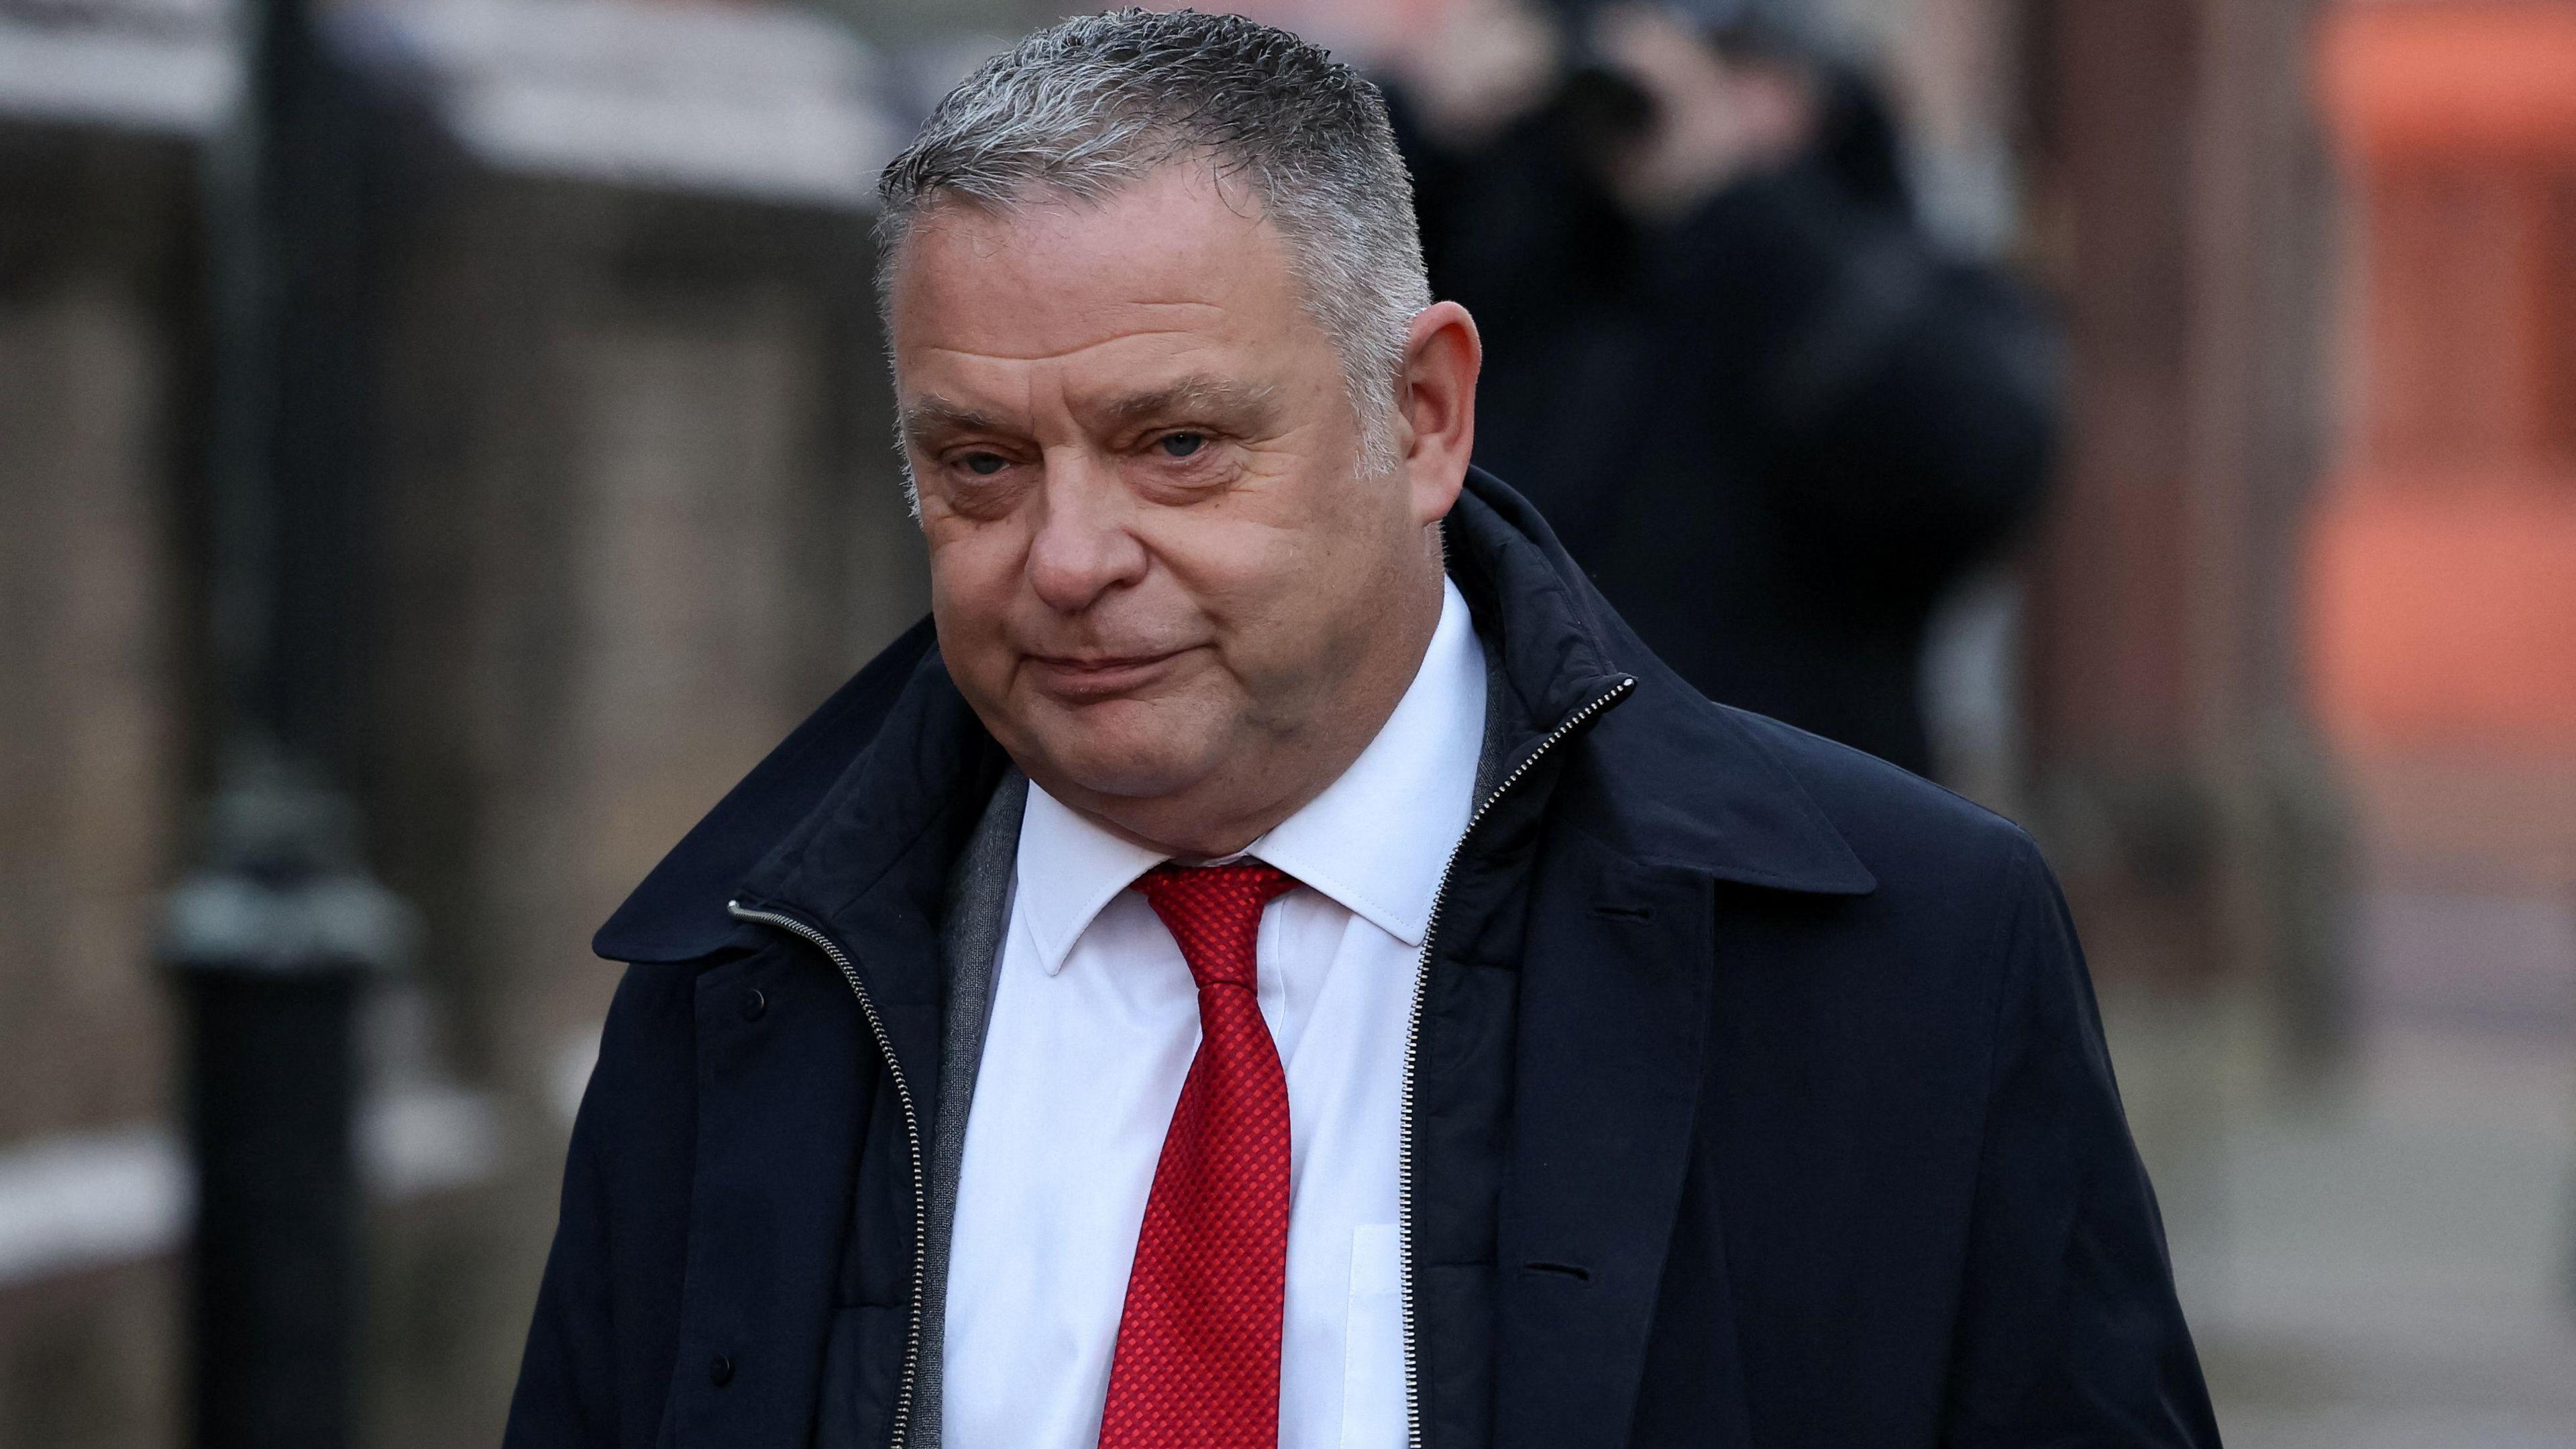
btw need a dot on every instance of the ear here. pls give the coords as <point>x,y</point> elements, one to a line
<point>1436,406</point>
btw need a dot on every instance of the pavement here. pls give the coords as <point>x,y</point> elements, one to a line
<point>2385,1258</point>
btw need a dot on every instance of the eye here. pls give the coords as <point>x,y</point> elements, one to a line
<point>1180,445</point>
<point>984,465</point>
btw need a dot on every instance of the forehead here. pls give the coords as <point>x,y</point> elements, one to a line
<point>1174,263</point>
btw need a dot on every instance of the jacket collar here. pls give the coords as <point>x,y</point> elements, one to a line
<point>872,796</point>
<point>678,912</point>
<point>1680,780</point>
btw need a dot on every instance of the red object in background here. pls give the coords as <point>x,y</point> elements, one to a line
<point>2442,584</point>
<point>2447,617</point>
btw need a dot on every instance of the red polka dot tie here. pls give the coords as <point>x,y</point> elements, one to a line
<point>1197,1365</point>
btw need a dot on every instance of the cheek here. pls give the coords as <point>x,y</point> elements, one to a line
<point>974,580</point>
<point>1282,613</point>
<point>1231,570</point>
<point>1273,568</point>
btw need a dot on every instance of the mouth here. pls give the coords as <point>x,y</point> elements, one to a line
<point>1099,676</point>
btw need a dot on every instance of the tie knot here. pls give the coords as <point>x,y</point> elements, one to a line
<point>1214,912</point>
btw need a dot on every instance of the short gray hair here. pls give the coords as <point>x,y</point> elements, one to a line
<point>1093,104</point>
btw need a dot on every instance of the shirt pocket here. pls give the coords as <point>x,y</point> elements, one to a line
<point>1373,1343</point>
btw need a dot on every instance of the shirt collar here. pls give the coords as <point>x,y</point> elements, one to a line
<point>1375,842</point>
<point>1069,868</point>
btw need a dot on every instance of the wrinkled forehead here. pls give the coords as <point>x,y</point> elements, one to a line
<point>1177,254</point>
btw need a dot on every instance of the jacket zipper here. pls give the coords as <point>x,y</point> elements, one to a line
<point>912,1136</point>
<point>1413,1043</point>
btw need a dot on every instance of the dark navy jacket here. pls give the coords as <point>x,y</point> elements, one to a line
<point>1761,1098</point>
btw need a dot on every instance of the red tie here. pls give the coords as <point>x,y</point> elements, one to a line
<point>1198,1346</point>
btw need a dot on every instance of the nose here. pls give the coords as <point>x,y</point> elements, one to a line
<point>1083,548</point>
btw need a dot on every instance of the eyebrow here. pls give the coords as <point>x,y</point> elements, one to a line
<point>1243,406</point>
<point>1240,406</point>
<point>931,415</point>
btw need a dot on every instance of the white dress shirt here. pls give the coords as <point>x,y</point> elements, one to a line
<point>1094,1022</point>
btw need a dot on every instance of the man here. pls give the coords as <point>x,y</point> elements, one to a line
<point>1756,402</point>
<point>1274,961</point>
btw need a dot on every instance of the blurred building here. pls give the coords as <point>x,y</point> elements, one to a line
<point>2442,589</point>
<point>607,300</point>
<point>2442,601</point>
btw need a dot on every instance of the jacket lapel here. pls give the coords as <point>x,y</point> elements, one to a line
<point>1614,1014</point>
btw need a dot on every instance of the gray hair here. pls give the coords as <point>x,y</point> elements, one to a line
<point>1093,104</point>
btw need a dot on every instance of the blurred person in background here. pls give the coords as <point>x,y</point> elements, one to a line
<point>1758,404</point>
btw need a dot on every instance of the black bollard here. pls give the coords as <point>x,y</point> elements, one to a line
<point>271,949</point>
<point>272,942</point>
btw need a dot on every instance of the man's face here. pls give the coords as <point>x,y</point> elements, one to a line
<point>1158,564</point>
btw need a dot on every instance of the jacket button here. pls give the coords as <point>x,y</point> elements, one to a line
<point>720,1371</point>
<point>754,1004</point>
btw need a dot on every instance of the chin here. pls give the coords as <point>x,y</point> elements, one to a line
<point>1128,752</point>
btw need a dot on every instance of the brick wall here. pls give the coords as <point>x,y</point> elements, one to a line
<point>637,511</point>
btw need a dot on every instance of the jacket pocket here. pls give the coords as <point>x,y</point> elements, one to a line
<point>862,1368</point>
